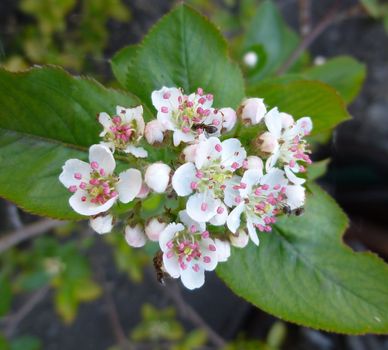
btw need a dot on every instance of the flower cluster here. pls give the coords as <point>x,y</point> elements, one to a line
<point>219,182</point>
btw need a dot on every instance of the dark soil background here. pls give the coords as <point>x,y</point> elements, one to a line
<point>357,178</point>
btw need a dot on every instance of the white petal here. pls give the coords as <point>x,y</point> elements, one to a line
<point>271,161</point>
<point>171,265</point>
<point>295,196</point>
<point>137,115</point>
<point>304,124</point>
<point>202,207</point>
<point>189,222</point>
<point>287,120</point>
<point>138,152</point>
<point>232,153</point>
<point>102,223</point>
<point>230,193</point>
<point>135,236</point>
<point>234,219</point>
<point>270,143</point>
<point>72,167</point>
<point>207,152</point>
<point>273,121</point>
<point>182,179</point>
<point>157,177</point>
<point>252,231</point>
<point>274,177</point>
<point>292,177</point>
<point>104,158</point>
<point>129,185</point>
<point>105,120</point>
<point>191,279</point>
<point>255,163</point>
<point>211,263</point>
<point>87,208</point>
<point>223,250</point>
<point>250,178</point>
<point>168,234</point>
<point>179,136</point>
<point>159,101</point>
<point>166,121</point>
<point>220,218</point>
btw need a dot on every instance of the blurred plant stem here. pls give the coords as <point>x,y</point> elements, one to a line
<point>17,236</point>
<point>331,17</point>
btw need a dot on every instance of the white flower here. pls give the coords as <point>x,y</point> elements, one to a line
<point>157,177</point>
<point>188,251</point>
<point>124,130</point>
<point>135,236</point>
<point>253,162</point>
<point>253,110</point>
<point>229,118</point>
<point>260,198</point>
<point>186,115</point>
<point>153,229</point>
<point>154,132</point>
<point>269,142</point>
<point>101,223</point>
<point>250,59</point>
<point>94,186</point>
<point>215,163</point>
<point>223,250</point>
<point>290,148</point>
<point>239,240</point>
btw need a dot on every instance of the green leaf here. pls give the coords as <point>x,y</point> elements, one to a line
<point>185,50</point>
<point>5,295</point>
<point>303,273</point>
<point>47,117</point>
<point>26,343</point>
<point>317,169</point>
<point>271,39</point>
<point>304,98</point>
<point>122,63</point>
<point>345,74</point>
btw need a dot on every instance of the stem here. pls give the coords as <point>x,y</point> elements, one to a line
<point>13,320</point>
<point>27,232</point>
<point>304,17</point>
<point>172,291</point>
<point>331,17</point>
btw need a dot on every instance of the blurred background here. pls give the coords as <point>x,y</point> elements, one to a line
<point>64,287</point>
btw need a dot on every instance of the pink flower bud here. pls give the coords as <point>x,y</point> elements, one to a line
<point>153,229</point>
<point>157,177</point>
<point>229,118</point>
<point>253,110</point>
<point>190,152</point>
<point>144,190</point>
<point>240,240</point>
<point>154,132</point>
<point>254,162</point>
<point>135,236</point>
<point>102,223</point>
<point>270,142</point>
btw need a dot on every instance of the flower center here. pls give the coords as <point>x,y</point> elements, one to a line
<point>212,178</point>
<point>121,133</point>
<point>191,115</point>
<point>265,202</point>
<point>100,187</point>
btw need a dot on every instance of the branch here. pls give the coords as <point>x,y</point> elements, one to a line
<point>173,292</point>
<point>304,17</point>
<point>331,17</point>
<point>27,232</point>
<point>13,320</point>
